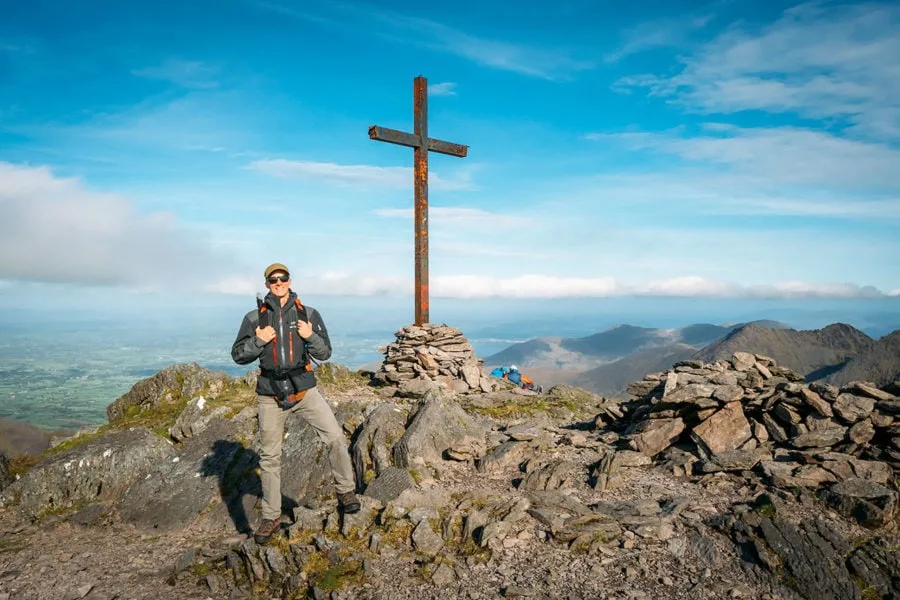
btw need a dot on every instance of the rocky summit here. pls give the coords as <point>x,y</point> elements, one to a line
<point>726,479</point>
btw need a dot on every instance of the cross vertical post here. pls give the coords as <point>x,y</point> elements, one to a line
<point>420,186</point>
<point>422,145</point>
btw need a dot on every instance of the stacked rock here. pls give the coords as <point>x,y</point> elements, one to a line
<point>429,356</point>
<point>749,413</point>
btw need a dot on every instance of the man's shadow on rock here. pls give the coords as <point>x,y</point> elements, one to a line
<point>237,469</point>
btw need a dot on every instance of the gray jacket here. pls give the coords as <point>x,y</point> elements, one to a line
<point>286,358</point>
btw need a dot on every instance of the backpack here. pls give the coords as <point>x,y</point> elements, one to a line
<point>263,311</point>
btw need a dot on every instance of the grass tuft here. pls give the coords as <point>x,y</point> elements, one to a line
<point>339,378</point>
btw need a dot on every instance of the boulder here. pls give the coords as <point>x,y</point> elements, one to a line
<point>728,429</point>
<point>812,553</point>
<point>821,438</point>
<point>101,468</point>
<point>871,504</point>
<point>371,450</point>
<point>845,466</point>
<point>735,460</point>
<point>853,408</point>
<point>208,472</point>
<point>816,402</point>
<point>743,361</point>
<point>417,387</point>
<point>425,540</point>
<point>862,432</point>
<point>655,435</point>
<point>862,388</point>
<point>195,417</point>
<point>776,432</point>
<point>690,393</point>
<point>555,475</point>
<point>436,425</point>
<point>727,393</point>
<point>876,563</point>
<point>390,483</point>
<point>507,455</point>
<point>170,386</point>
<point>306,468</point>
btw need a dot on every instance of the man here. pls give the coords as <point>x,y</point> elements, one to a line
<point>283,334</point>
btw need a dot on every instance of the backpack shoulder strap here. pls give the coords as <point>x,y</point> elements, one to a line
<point>303,312</point>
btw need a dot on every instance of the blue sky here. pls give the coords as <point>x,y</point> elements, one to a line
<point>721,149</point>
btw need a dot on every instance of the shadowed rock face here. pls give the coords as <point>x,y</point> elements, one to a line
<point>210,468</point>
<point>371,450</point>
<point>5,477</point>
<point>100,469</point>
<point>436,425</point>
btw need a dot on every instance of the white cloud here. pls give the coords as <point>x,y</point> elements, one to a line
<point>358,18</point>
<point>465,217</point>
<point>355,175</point>
<point>442,89</point>
<point>189,74</point>
<point>209,120</point>
<point>332,283</point>
<point>776,156</point>
<point>784,171</point>
<point>660,33</point>
<point>818,60</point>
<point>549,286</point>
<point>57,230</point>
<point>699,193</point>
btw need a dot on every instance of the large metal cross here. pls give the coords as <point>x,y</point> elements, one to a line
<point>420,141</point>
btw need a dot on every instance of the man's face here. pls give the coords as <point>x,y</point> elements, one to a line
<point>279,283</point>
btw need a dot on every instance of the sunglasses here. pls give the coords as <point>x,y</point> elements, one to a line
<point>276,278</point>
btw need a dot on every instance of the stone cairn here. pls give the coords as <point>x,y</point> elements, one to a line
<point>431,356</point>
<point>748,413</point>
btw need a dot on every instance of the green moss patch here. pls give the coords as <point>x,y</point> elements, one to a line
<point>339,378</point>
<point>531,406</point>
<point>19,465</point>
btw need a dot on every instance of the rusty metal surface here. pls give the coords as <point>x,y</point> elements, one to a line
<point>401,138</point>
<point>422,145</point>
<point>420,183</point>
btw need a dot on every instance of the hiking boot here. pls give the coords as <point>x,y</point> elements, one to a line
<point>266,530</point>
<point>348,503</point>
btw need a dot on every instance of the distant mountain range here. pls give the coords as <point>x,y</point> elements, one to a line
<point>610,345</point>
<point>611,379</point>
<point>816,354</point>
<point>606,362</point>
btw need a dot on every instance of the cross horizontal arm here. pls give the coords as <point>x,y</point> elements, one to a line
<point>402,138</point>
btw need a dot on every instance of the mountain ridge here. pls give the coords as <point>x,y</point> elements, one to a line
<point>837,353</point>
<point>609,345</point>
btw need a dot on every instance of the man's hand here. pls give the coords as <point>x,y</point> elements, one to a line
<point>266,334</point>
<point>304,328</point>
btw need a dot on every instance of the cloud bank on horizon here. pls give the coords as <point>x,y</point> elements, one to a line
<point>730,151</point>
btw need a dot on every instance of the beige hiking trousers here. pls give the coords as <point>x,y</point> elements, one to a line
<point>315,411</point>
